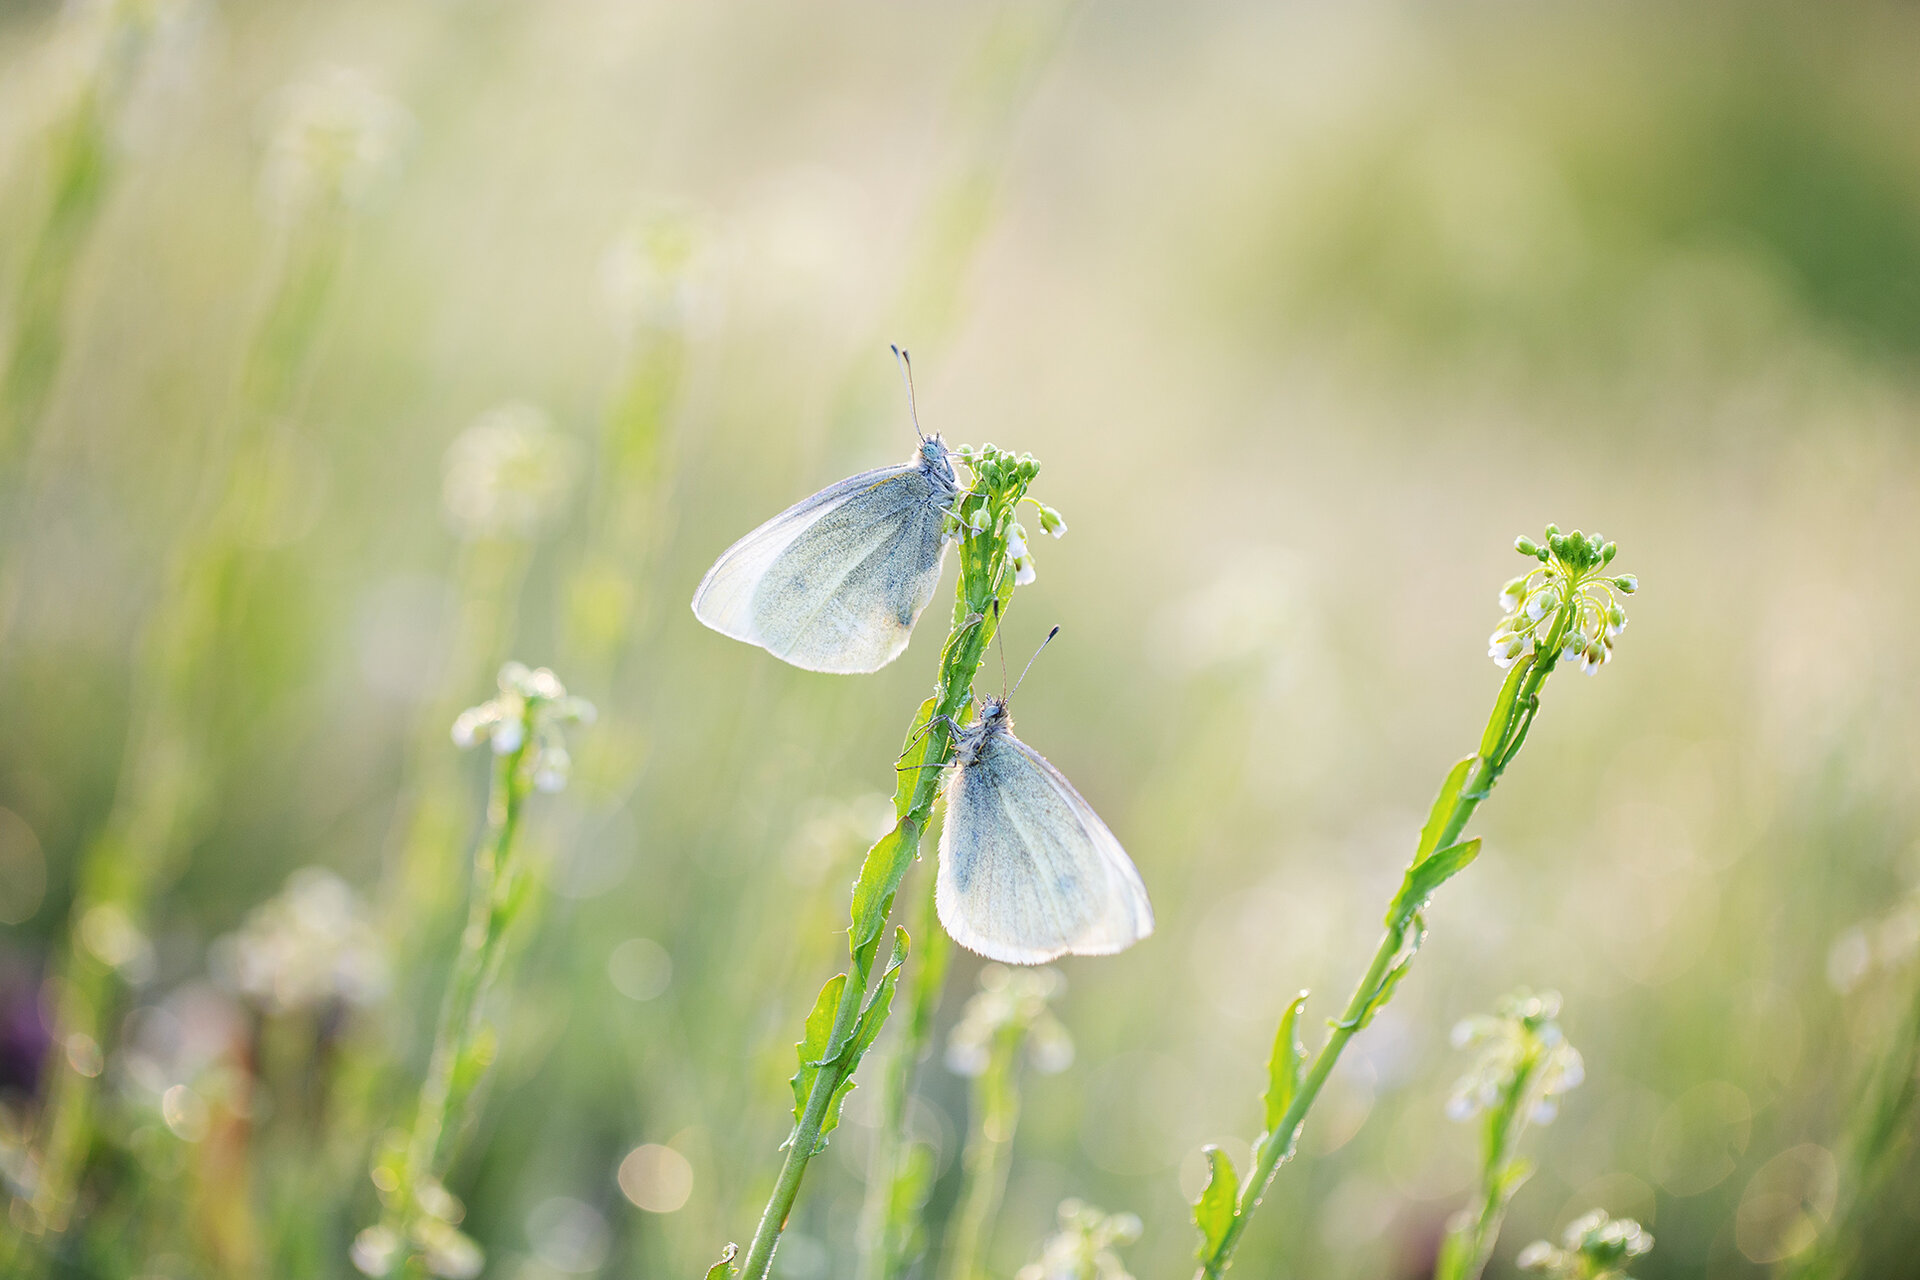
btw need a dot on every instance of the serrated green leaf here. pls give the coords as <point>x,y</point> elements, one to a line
<point>873,892</point>
<point>1442,808</point>
<point>1413,932</point>
<point>814,1048</point>
<point>1283,1068</point>
<point>723,1269</point>
<point>872,1017</point>
<point>880,1004</point>
<point>1213,1212</point>
<point>912,755</point>
<point>1422,878</point>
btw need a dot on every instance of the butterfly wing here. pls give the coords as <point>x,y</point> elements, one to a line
<point>1028,872</point>
<point>834,583</point>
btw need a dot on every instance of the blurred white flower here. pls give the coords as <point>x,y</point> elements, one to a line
<point>1525,1063</point>
<point>308,947</point>
<point>508,474</point>
<point>1083,1248</point>
<point>1011,1008</point>
<point>665,273</point>
<point>1596,1248</point>
<point>531,701</point>
<point>336,140</point>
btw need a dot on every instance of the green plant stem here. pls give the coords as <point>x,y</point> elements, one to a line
<point>496,900</point>
<point>996,1113</point>
<point>890,1213</point>
<point>1471,1236</point>
<point>985,587</point>
<point>1513,713</point>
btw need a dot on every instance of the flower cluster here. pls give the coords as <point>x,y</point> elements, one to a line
<point>980,520</point>
<point>1569,603</point>
<point>1083,1248</point>
<point>508,474</point>
<point>663,273</point>
<point>433,1236</point>
<point>308,948</point>
<point>336,141</point>
<point>1011,1006</point>
<point>1523,1051</point>
<point>532,707</point>
<point>1596,1247</point>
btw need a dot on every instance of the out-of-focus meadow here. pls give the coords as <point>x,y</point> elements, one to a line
<point>1306,312</point>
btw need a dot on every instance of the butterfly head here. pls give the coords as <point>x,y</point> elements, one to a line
<point>994,718</point>
<point>937,460</point>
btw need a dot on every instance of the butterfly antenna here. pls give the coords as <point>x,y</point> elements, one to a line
<point>906,375</point>
<point>1036,657</point>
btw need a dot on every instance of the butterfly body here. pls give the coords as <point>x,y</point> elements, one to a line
<point>1028,871</point>
<point>836,582</point>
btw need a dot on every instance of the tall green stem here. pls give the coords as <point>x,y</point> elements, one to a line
<point>895,1188</point>
<point>478,963</point>
<point>996,1112</point>
<point>418,1214</point>
<point>985,587</point>
<point>1513,712</point>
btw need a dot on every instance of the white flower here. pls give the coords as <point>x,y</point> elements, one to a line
<point>664,274</point>
<point>337,140</point>
<point>310,945</point>
<point>1017,544</point>
<point>508,735</point>
<point>509,474</point>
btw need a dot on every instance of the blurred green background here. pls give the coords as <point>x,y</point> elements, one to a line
<point>1306,310</point>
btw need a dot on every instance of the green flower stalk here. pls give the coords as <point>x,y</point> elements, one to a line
<point>900,1171</point>
<point>1525,1064</point>
<point>1594,1247</point>
<point>1568,608</point>
<point>420,1225</point>
<point>1084,1247</point>
<point>852,1007</point>
<point>1008,1015</point>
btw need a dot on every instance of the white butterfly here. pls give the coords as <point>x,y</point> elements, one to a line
<point>1028,872</point>
<point>836,583</point>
